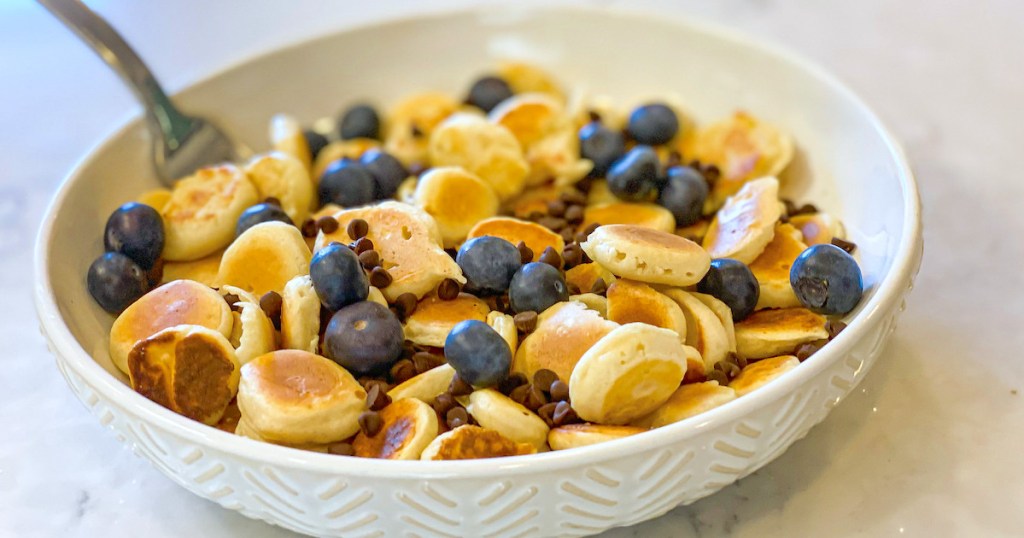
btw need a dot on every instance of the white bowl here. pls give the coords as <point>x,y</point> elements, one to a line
<point>858,173</point>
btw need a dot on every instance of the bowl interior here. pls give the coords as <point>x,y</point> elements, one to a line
<point>845,164</point>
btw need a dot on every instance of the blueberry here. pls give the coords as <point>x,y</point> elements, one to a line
<point>634,176</point>
<point>478,353</point>
<point>137,231</point>
<point>258,214</point>
<point>315,141</point>
<point>602,146</point>
<point>827,280</point>
<point>684,194</point>
<point>386,170</point>
<point>536,286</point>
<point>338,277</point>
<point>487,92</point>
<point>488,264</point>
<point>359,121</point>
<point>653,124</point>
<point>732,282</point>
<point>115,281</point>
<point>347,183</point>
<point>364,338</point>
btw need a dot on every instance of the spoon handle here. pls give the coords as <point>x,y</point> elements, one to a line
<point>166,122</point>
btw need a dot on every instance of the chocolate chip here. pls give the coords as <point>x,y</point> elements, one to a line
<point>535,398</point>
<point>369,259</point>
<point>370,423</point>
<point>270,200</point>
<point>718,375</point>
<point>415,131</point>
<point>377,398</point>
<point>574,214</point>
<point>594,115</point>
<point>357,229</point>
<point>564,414</point>
<point>406,304</point>
<point>402,371</point>
<point>737,359</point>
<point>520,394</point>
<point>443,403</point>
<point>567,234</point>
<point>804,351</point>
<point>572,288</point>
<point>598,286</point>
<point>341,449</point>
<point>834,327</point>
<point>525,254</point>
<point>456,416</point>
<point>535,216</point>
<point>526,322</point>
<point>848,246</point>
<point>574,197</point>
<point>155,273</point>
<point>424,361</point>
<point>572,254</point>
<point>556,208</point>
<point>547,412</point>
<point>327,224</point>
<point>580,237</point>
<point>674,159</point>
<point>550,257</point>
<point>448,289</point>
<point>591,228</point>
<point>711,174</point>
<point>380,278</point>
<point>271,302</point>
<point>510,383</point>
<point>308,228</point>
<point>543,379</point>
<point>552,223</point>
<point>231,299</point>
<point>362,245</point>
<point>559,391</point>
<point>458,387</point>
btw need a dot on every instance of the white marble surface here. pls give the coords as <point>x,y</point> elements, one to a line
<point>928,446</point>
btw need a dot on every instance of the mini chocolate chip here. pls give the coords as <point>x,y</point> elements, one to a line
<point>380,278</point>
<point>362,245</point>
<point>559,391</point>
<point>443,403</point>
<point>458,387</point>
<point>535,398</point>
<point>564,414</point>
<point>341,449</point>
<point>674,159</point>
<point>572,255</point>
<point>406,304</point>
<point>834,327</point>
<point>573,289</point>
<point>598,286</point>
<point>308,228</point>
<point>507,385</point>
<point>155,273</point>
<point>556,208</point>
<point>711,174</point>
<point>456,416</point>
<point>535,215</point>
<point>525,254</point>
<point>737,359</point>
<point>415,131</point>
<point>231,299</point>
<point>327,224</point>
<point>448,289</point>
<point>790,206</point>
<point>424,361</point>
<point>369,259</point>
<point>730,369</point>
<point>271,302</point>
<point>377,397</point>
<point>270,200</point>
<point>357,229</point>
<point>567,234</point>
<point>574,197</point>
<point>547,411</point>
<point>574,214</point>
<point>717,375</point>
<point>594,115</point>
<point>550,257</point>
<point>520,394</point>
<point>402,371</point>
<point>591,228</point>
<point>552,223</point>
<point>804,351</point>
<point>848,246</point>
<point>526,322</point>
<point>543,379</point>
<point>370,423</point>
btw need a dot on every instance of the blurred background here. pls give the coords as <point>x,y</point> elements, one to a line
<point>945,76</point>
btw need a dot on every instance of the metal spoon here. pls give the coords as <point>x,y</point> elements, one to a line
<point>181,143</point>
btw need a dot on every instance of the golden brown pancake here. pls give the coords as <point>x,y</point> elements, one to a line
<point>433,318</point>
<point>407,427</point>
<point>630,301</point>
<point>564,333</point>
<point>647,215</point>
<point>577,435</point>
<point>469,442</point>
<point>767,333</point>
<point>515,230</point>
<point>771,268</point>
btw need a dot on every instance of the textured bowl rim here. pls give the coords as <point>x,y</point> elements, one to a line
<point>889,291</point>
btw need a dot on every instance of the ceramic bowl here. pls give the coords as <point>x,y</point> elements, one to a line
<point>847,163</point>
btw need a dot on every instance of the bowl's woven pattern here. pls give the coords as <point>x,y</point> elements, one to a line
<point>577,500</point>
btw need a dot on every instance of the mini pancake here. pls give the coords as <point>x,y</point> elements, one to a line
<point>297,397</point>
<point>434,318</point>
<point>155,198</point>
<point>600,194</point>
<point>627,374</point>
<point>243,429</point>
<point>426,386</point>
<point>504,325</point>
<point>457,200</point>
<point>743,148</point>
<point>584,275</point>
<point>818,228</point>
<point>688,401</point>
<point>647,255</point>
<point>495,411</point>
<point>758,374</point>
<point>286,136</point>
<point>182,302</point>
<point>532,200</point>
<point>695,232</point>
<point>407,427</point>
<point>469,442</point>
<point>252,334</point>
<point>557,156</point>
<point>593,301</point>
<point>188,369</point>
<point>203,270</point>
<point>340,149</point>
<point>704,330</point>
<point>577,435</point>
<point>768,333</point>
<point>771,268</point>
<point>563,334</point>
<point>201,215</point>
<point>282,176</point>
<point>486,149</point>
<point>513,230</point>
<point>724,314</point>
<point>530,117</point>
<point>264,258</point>
<point>651,216</point>
<point>528,78</point>
<point>409,124</point>
<point>635,302</point>
<point>745,225</point>
<point>409,244</point>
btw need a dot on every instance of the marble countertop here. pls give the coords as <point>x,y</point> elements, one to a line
<point>930,443</point>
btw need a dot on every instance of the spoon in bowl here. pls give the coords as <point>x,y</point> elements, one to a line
<point>181,143</point>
